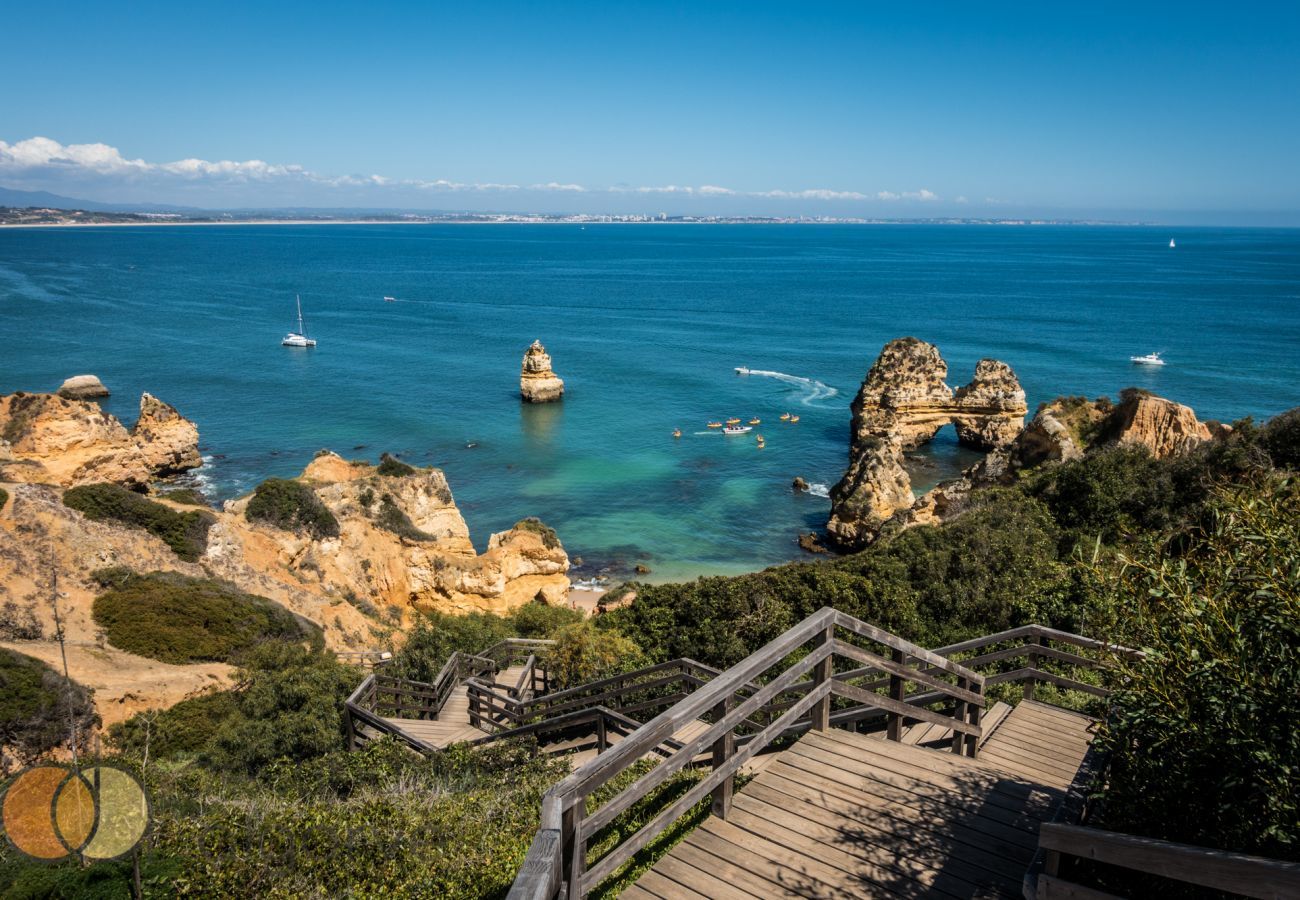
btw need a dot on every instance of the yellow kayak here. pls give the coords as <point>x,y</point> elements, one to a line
<point>755,422</point>
<point>715,424</point>
<point>785,417</point>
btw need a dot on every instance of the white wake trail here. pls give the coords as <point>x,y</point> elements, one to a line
<point>814,390</point>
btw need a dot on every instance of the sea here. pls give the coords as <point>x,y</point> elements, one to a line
<point>646,324</point>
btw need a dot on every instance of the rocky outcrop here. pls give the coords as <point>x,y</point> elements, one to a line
<point>168,440</point>
<point>538,383</point>
<point>903,402</point>
<point>48,439</point>
<point>1163,427</point>
<point>83,387</point>
<point>403,544</point>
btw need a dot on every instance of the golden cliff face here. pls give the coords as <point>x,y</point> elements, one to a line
<point>903,402</point>
<point>48,439</point>
<point>538,383</point>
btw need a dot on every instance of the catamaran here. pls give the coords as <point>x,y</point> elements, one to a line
<point>298,338</point>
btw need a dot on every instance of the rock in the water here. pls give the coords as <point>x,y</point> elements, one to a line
<point>83,387</point>
<point>811,542</point>
<point>168,440</point>
<point>538,383</point>
<point>641,569</point>
<point>799,484</point>
<point>903,402</point>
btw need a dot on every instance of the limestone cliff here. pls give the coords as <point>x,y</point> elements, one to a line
<point>1161,426</point>
<point>538,383</point>
<point>48,439</point>
<point>902,403</point>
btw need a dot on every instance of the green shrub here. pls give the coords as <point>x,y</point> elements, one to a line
<point>550,540</point>
<point>186,533</point>
<point>38,707</point>
<point>186,496</point>
<point>392,518</point>
<point>177,619</point>
<point>1204,731</point>
<point>184,729</point>
<point>1280,436</point>
<point>4,498</point>
<point>292,506</point>
<point>541,620</point>
<point>392,467</point>
<point>438,635</point>
<point>584,653</point>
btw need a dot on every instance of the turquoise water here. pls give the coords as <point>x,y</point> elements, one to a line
<point>645,324</point>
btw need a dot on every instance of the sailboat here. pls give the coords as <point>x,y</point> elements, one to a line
<point>1172,244</point>
<point>298,338</point>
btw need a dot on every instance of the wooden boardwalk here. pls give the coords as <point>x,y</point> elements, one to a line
<point>452,724</point>
<point>847,815</point>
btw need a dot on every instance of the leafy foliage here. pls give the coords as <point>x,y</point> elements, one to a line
<point>186,533</point>
<point>177,619</point>
<point>37,707</point>
<point>1204,731</point>
<point>550,540</point>
<point>293,506</point>
<point>187,496</point>
<point>583,653</point>
<point>391,466</point>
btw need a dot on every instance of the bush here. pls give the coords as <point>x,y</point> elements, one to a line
<point>541,620</point>
<point>392,518</point>
<point>1204,731</point>
<point>550,540</point>
<point>184,729</point>
<point>186,533</point>
<point>1281,438</point>
<point>436,636</point>
<point>392,467</point>
<point>19,623</point>
<point>1109,493</point>
<point>186,496</point>
<point>37,708</point>
<point>584,653</point>
<point>177,619</point>
<point>292,506</point>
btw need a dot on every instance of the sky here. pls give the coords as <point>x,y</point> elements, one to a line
<point>1164,112</point>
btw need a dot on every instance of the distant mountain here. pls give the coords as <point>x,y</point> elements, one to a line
<point>21,199</point>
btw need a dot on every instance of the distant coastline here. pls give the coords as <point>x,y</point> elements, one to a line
<point>50,217</point>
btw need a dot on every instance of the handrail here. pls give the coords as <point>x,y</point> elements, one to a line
<point>1235,873</point>
<point>558,855</point>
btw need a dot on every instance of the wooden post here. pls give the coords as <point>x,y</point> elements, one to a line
<point>976,713</point>
<point>1028,693</point>
<point>351,727</point>
<point>602,741</point>
<point>896,693</point>
<point>959,716</point>
<point>821,710</point>
<point>723,748</point>
<point>573,849</point>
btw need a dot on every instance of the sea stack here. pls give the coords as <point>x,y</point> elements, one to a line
<point>538,383</point>
<point>83,387</point>
<point>902,404</point>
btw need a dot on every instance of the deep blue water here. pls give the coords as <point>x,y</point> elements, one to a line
<point>645,324</point>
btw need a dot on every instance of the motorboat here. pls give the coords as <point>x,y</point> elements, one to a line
<point>298,338</point>
<point>741,370</point>
<point>390,299</point>
<point>737,429</point>
<point>1151,359</point>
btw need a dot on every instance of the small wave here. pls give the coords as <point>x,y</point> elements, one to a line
<point>814,390</point>
<point>590,584</point>
<point>819,490</point>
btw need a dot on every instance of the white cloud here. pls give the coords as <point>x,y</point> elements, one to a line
<point>42,162</point>
<point>961,200</point>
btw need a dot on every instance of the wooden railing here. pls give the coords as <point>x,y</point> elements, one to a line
<point>557,861</point>
<point>1235,873</point>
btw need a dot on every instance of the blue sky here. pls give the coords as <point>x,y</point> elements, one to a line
<point>1173,112</point>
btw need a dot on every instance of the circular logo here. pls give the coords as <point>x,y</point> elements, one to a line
<point>98,813</point>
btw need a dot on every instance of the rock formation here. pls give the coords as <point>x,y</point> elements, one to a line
<point>83,387</point>
<point>1162,426</point>
<point>48,439</point>
<point>538,383</point>
<point>168,440</point>
<point>903,402</point>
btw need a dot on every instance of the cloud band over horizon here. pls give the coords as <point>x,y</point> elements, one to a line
<point>46,164</point>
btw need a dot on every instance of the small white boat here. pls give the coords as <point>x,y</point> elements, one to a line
<point>390,299</point>
<point>298,338</point>
<point>741,370</point>
<point>1172,245</point>
<point>1151,359</point>
<point>737,429</point>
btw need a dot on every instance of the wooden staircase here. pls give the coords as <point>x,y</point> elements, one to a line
<point>452,723</point>
<point>847,815</point>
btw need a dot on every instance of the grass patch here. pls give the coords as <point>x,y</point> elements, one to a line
<point>186,533</point>
<point>177,619</point>
<point>550,540</point>
<point>393,467</point>
<point>23,410</point>
<point>391,518</point>
<point>293,506</point>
